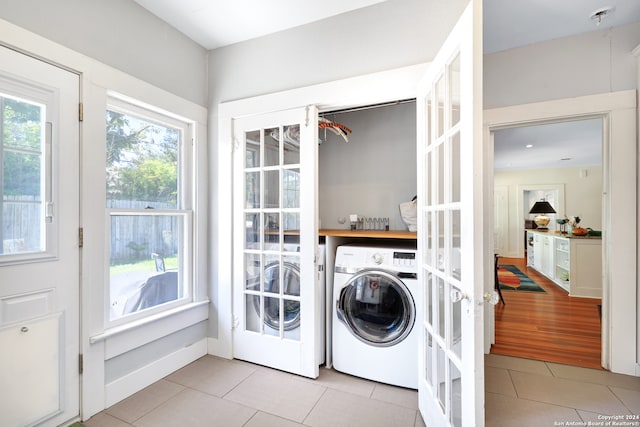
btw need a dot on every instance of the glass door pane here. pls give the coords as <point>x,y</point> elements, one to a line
<point>273,196</point>
<point>24,180</point>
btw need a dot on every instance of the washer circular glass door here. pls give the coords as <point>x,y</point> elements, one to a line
<point>291,281</point>
<point>377,308</point>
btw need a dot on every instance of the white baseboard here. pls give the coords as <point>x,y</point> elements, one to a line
<point>137,380</point>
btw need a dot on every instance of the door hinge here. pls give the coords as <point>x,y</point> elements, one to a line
<point>80,112</point>
<point>80,363</point>
<point>80,237</point>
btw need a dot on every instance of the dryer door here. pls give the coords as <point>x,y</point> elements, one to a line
<point>291,282</point>
<point>377,308</point>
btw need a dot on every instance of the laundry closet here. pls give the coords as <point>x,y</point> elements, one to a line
<point>300,174</point>
<point>366,169</point>
<point>371,171</point>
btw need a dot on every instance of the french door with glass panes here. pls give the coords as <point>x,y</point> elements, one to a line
<point>451,387</point>
<point>275,240</point>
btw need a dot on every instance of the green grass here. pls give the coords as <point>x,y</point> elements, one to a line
<point>144,265</point>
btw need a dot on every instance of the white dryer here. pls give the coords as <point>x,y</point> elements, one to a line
<point>375,292</point>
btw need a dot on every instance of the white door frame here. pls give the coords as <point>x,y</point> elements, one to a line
<point>390,85</point>
<point>618,109</point>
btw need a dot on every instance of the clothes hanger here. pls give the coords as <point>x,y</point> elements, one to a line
<point>337,128</point>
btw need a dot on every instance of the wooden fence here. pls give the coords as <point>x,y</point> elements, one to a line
<point>21,224</point>
<point>136,237</point>
<point>133,237</point>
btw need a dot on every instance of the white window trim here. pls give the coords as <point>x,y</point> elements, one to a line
<point>185,209</point>
<point>36,94</point>
<point>147,320</point>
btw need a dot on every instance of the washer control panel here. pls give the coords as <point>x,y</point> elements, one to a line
<point>404,259</point>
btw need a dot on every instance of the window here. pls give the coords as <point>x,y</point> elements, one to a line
<point>25,179</point>
<point>149,209</point>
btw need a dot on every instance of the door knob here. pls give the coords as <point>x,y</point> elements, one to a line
<point>491,297</point>
<point>457,295</point>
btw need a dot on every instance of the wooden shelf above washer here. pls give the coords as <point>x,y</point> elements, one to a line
<point>378,234</point>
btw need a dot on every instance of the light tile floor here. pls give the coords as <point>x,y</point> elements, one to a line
<point>218,392</point>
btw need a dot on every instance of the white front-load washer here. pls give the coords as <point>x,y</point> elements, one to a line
<point>375,292</point>
<point>292,283</point>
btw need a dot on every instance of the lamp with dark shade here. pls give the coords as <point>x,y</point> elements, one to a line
<point>541,208</point>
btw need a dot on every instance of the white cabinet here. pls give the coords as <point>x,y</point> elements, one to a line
<point>586,267</point>
<point>543,253</point>
<point>562,271</point>
<point>573,263</point>
<point>548,255</point>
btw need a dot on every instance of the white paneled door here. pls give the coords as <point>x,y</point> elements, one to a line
<point>275,240</point>
<point>451,386</point>
<point>39,254</point>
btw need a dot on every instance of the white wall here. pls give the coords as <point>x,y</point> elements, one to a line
<point>592,63</point>
<point>121,34</point>
<point>583,197</point>
<point>373,173</point>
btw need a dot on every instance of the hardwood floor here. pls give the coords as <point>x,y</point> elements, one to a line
<point>549,326</point>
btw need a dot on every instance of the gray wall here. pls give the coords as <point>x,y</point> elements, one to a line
<point>387,35</point>
<point>138,358</point>
<point>596,62</point>
<point>121,34</point>
<point>373,173</point>
<point>384,36</point>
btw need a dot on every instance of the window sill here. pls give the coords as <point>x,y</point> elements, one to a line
<point>155,318</point>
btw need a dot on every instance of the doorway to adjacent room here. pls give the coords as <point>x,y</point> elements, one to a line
<point>560,163</point>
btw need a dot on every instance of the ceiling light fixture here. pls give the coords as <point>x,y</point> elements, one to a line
<point>599,14</point>
<point>528,146</point>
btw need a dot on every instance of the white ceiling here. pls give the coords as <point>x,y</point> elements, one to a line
<point>555,145</point>
<point>507,23</point>
<point>217,23</point>
<point>513,23</point>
